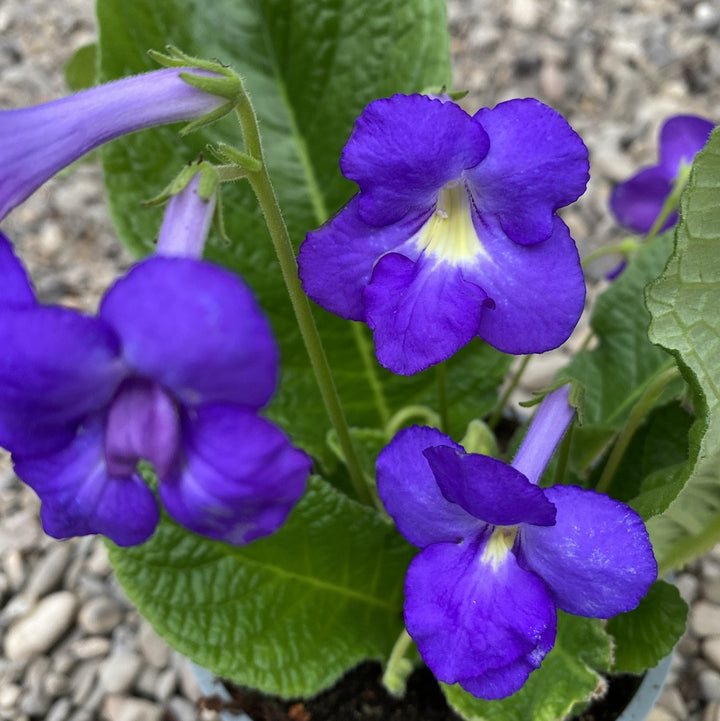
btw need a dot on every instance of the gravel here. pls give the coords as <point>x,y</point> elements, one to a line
<point>74,649</point>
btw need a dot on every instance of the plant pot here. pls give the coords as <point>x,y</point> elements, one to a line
<point>637,709</point>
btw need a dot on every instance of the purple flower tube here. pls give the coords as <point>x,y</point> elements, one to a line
<point>39,141</point>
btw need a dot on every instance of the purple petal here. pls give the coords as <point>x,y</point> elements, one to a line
<point>471,617</point>
<point>637,202</point>
<point>538,290</point>
<point>488,488</point>
<point>196,329</point>
<point>41,140</point>
<point>15,287</point>
<point>403,149</point>
<point>536,164</point>
<point>56,367</point>
<point>142,423</point>
<point>336,261</point>
<point>186,222</point>
<point>597,559</point>
<point>411,495</point>
<point>681,138</point>
<point>79,497</point>
<point>240,479</point>
<point>422,312</point>
<point>500,682</point>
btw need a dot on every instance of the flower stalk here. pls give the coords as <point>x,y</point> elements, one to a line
<point>265,194</point>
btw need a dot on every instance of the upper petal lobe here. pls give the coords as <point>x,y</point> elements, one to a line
<point>536,164</point>
<point>411,495</point>
<point>404,149</point>
<point>196,329</point>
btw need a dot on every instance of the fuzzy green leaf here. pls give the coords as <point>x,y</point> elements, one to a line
<point>684,305</point>
<point>644,637</point>
<point>289,613</point>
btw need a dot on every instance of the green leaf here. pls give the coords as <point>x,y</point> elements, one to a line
<point>616,373</point>
<point>684,306</point>
<point>568,676</point>
<point>289,613</point>
<point>644,637</point>
<point>81,69</point>
<point>310,68</point>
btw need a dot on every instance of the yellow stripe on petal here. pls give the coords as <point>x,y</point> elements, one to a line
<point>449,235</point>
<point>498,545</point>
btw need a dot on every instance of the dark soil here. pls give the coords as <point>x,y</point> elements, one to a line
<point>360,696</point>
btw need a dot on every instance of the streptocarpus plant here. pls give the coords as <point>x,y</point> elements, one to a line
<point>439,230</point>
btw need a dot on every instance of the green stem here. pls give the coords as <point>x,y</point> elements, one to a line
<point>625,248</point>
<point>398,667</point>
<point>402,416</point>
<point>265,193</point>
<point>637,416</point>
<point>671,202</point>
<point>441,376</point>
<point>369,365</point>
<point>497,413</point>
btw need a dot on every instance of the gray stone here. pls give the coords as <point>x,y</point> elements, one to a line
<point>99,616</point>
<point>83,681</point>
<point>182,709</point>
<point>711,650</point>
<point>9,695</point>
<point>90,647</point>
<point>709,681</point>
<point>41,628</point>
<point>153,647</point>
<point>60,710</point>
<point>119,671</point>
<point>118,708</point>
<point>705,619</point>
<point>48,572</point>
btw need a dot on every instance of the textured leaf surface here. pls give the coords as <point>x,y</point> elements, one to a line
<point>311,67</point>
<point>685,304</point>
<point>568,676</point>
<point>644,637</point>
<point>619,369</point>
<point>288,614</point>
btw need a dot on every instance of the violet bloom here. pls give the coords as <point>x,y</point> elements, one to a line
<point>637,202</point>
<point>500,554</point>
<point>38,141</point>
<point>454,232</point>
<point>173,370</point>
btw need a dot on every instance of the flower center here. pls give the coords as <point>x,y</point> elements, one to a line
<point>498,545</point>
<point>449,234</point>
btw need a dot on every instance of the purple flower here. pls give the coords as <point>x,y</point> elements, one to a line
<point>453,233</point>
<point>173,370</point>
<point>39,141</point>
<point>637,202</point>
<point>500,554</point>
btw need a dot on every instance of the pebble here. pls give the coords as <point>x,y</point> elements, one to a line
<point>48,572</point>
<point>661,714</point>
<point>154,648</point>
<point>709,681</point>
<point>60,710</point>
<point>90,647</point>
<point>119,671</point>
<point>118,708</point>
<point>705,619</point>
<point>711,650</point>
<point>99,615</point>
<point>38,631</point>
<point>182,709</point>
